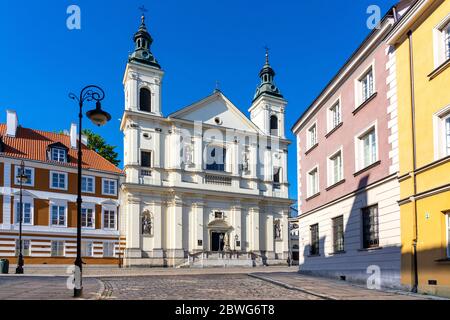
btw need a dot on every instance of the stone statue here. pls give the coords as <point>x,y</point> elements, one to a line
<point>245,165</point>
<point>147,224</point>
<point>189,157</point>
<point>277,229</point>
<point>226,242</point>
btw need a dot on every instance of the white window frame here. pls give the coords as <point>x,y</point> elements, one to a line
<point>16,174</point>
<point>103,187</point>
<point>308,182</point>
<point>93,184</point>
<point>439,136</point>
<point>331,180</point>
<point>63,248</point>
<point>23,248</point>
<point>112,243</point>
<point>309,145</point>
<point>439,38</point>
<point>109,208</point>
<point>358,84</point>
<point>66,180</point>
<point>88,206</point>
<point>25,200</point>
<point>330,118</point>
<point>52,149</point>
<point>90,244</point>
<point>447,219</point>
<point>151,158</point>
<point>58,203</point>
<point>359,165</point>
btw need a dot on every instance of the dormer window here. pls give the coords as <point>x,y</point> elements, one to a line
<point>59,155</point>
<point>57,152</point>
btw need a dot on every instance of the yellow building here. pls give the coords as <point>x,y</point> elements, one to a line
<point>422,42</point>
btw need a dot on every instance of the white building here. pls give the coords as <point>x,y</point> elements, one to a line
<point>204,185</point>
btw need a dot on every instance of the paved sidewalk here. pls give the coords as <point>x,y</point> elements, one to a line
<point>334,289</point>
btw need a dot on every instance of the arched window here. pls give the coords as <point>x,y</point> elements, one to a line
<point>145,103</point>
<point>273,125</point>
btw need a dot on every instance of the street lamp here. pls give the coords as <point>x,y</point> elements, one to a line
<point>22,179</point>
<point>99,118</point>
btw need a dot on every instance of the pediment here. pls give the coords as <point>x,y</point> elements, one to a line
<point>213,108</point>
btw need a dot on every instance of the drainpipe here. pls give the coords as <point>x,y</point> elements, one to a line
<point>413,128</point>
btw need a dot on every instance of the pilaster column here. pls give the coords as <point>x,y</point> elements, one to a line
<point>269,236</point>
<point>236,222</point>
<point>157,226</point>
<point>175,223</point>
<point>197,231</point>
<point>255,228</point>
<point>133,243</point>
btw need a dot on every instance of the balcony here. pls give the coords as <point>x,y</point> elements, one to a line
<point>217,180</point>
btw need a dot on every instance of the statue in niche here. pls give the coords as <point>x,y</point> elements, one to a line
<point>147,224</point>
<point>245,165</point>
<point>226,242</point>
<point>277,229</point>
<point>189,155</point>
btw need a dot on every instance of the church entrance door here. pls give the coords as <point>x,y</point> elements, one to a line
<point>217,242</point>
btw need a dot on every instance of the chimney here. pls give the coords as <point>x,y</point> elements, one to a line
<point>73,135</point>
<point>11,123</point>
<point>84,139</point>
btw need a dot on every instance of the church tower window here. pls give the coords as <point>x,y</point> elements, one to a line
<point>145,100</point>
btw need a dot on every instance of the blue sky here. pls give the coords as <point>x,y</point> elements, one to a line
<point>197,43</point>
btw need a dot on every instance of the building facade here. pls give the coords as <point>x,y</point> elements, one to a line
<point>347,149</point>
<point>422,44</point>
<point>49,198</point>
<point>204,185</point>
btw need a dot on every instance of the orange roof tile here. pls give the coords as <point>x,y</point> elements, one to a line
<point>32,144</point>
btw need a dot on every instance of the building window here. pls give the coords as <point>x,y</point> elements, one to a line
<point>108,249</point>
<point>448,234</point>
<point>216,158</point>
<point>334,115</point>
<point>446,33</point>
<point>370,227</point>
<point>58,154</point>
<point>58,180</point>
<point>441,35</point>
<point>58,215</point>
<point>109,187</point>
<point>314,244</point>
<point>87,249</point>
<point>313,182</point>
<point>366,148</point>
<point>335,168</point>
<point>312,136</point>
<point>57,248</point>
<point>28,172</point>
<point>338,234</point>
<point>218,215</point>
<point>109,219</point>
<point>145,103</point>
<point>27,217</point>
<point>146,159</point>
<point>87,218</point>
<point>447,135</point>
<point>366,85</point>
<point>26,248</point>
<point>87,184</point>
<point>276,178</point>
<point>273,125</point>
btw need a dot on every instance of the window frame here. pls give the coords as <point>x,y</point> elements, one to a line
<point>150,99</point>
<point>66,179</point>
<point>440,36</point>
<point>112,243</point>
<point>103,187</point>
<point>215,166</point>
<point>359,147</point>
<point>63,248</point>
<point>330,115</point>
<point>331,180</point>
<point>91,245</point>
<point>150,158</point>
<point>314,241</point>
<point>17,249</point>
<point>93,184</point>
<point>439,137</point>
<point>25,200</point>
<point>88,206</point>
<point>64,151</point>
<point>308,182</point>
<point>58,203</point>
<point>359,99</point>
<point>363,239</point>
<point>309,144</point>
<point>447,219</point>
<point>277,129</point>
<point>109,209</point>
<point>16,174</point>
<point>333,226</point>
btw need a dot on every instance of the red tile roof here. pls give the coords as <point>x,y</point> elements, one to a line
<point>32,144</point>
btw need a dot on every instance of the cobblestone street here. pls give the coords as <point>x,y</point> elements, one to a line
<point>274,283</point>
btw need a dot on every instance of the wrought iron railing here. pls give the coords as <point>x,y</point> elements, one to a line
<point>218,180</point>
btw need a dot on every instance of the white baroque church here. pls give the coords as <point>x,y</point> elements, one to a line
<point>205,185</point>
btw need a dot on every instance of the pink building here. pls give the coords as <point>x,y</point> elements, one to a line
<point>347,151</point>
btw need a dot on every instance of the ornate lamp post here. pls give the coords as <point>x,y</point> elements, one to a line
<point>22,178</point>
<point>99,118</point>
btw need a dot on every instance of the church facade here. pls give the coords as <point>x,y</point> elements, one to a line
<point>205,185</point>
